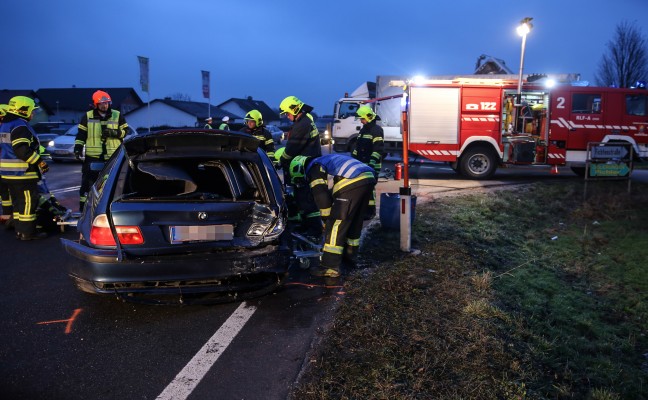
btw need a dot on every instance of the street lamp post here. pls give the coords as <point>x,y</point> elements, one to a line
<point>523,30</point>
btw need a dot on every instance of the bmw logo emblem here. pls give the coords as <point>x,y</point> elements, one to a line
<point>202,216</point>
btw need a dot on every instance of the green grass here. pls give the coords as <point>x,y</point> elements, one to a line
<point>526,293</point>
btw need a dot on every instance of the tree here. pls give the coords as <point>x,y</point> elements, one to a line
<point>180,97</point>
<point>626,59</point>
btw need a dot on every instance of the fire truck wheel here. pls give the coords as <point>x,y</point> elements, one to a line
<point>478,163</point>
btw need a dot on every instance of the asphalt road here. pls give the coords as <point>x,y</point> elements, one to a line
<point>60,343</point>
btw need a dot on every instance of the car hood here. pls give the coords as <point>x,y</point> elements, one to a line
<point>172,143</point>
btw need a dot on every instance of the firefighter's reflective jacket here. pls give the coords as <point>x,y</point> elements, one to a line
<point>19,150</point>
<point>94,133</point>
<point>369,145</point>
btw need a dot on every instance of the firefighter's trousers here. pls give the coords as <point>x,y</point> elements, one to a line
<point>24,196</point>
<point>7,208</point>
<point>306,212</point>
<point>88,178</point>
<point>344,226</point>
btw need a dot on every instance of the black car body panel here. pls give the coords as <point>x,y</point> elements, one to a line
<point>208,207</point>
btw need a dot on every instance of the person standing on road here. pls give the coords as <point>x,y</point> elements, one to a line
<point>224,126</point>
<point>101,131</point>
<point>208,124</point>
<point>342,208</point>
<point>7,209</point>
<point>303,141</point>
<point>21,165</point>
<point>255,127</point>
<point>369,148</point>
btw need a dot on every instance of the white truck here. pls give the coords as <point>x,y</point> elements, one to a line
<point>386,102</point>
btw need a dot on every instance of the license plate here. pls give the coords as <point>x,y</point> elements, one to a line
<point>62,152</point>
<point>201,233</point>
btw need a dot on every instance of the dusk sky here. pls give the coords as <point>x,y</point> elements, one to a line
<point>315,50</point>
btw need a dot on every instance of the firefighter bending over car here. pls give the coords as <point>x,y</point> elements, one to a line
<point>101,131</point>
<point>369,148</point>
<point>303,141</point>
<point>21,166</point>
<point>342,208</point>
<point>255,127</point>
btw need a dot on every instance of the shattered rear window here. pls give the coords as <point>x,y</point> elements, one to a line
<point>195,180</point>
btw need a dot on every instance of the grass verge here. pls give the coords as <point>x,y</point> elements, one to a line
<point>529,293</point>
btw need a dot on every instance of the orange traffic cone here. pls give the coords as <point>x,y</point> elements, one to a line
<point>554,170</point>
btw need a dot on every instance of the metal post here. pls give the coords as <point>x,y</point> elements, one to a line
<point>405,191</point>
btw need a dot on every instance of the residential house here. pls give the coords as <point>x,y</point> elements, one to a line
<point>243,106</point>
<point>70,104</point>
<point>167,113</point>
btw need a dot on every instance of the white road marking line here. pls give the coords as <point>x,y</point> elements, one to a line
<point>67,189</point>
<point>191,375</point>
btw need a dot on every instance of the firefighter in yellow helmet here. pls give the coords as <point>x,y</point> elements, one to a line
<point>7,209</point>
<point>303,141</point>
<point>369,148</point>
<point>255,127</point>
<point>101,131</point>
<point>21,165</point>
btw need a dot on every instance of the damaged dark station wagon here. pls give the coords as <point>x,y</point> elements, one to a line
<point>194,215</point>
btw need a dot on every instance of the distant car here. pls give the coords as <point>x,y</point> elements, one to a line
<point>44,139</point>
<point>187,214</point>
<point>277,134</point>
<point>62,147</point>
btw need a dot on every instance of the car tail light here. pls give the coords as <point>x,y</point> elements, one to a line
<point>101,235</point>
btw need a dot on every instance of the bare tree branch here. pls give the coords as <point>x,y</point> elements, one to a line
<point>626,59</point>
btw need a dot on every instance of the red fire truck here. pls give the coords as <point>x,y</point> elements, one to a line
<point>478,124</point>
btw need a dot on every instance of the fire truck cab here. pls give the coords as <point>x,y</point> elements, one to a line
<point>477,125</point>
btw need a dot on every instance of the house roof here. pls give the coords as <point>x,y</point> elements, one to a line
<point>197,109</point>
<point>7,94</point>
<point>250,104</point>
<point>80,99</point>
<point>488,65</point>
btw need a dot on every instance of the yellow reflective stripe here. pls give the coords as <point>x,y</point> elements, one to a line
<point>6,203</point>
<point>333,249</point>
<point>20,140</point>
<point>377,139</point>
<point>34,157</point>
<point>318,181</point>
<point>376,155</point>
<point>269,141</point>
<point>372,202</point>
<point>313,214</point>
<point>348,181</point>
<point>325,212</point>
<point>27,175</point>
<point>353,242</point>
<point>330,246</point>
<point>368,136</point>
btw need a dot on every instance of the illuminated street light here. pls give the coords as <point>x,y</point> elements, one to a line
<point>522,30</point>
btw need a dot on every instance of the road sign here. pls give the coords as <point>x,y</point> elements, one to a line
<point>609,152</point>
<point>609,170</point>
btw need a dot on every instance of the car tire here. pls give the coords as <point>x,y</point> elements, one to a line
<point>479,162</point>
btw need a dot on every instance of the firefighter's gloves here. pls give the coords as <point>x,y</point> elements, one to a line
<point>42,165</point>
<point>78,149</point>
<point>110,133</point>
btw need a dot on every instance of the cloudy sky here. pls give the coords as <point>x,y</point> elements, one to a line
<point>313,49</point>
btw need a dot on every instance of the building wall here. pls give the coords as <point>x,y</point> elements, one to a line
<point>160,114</point>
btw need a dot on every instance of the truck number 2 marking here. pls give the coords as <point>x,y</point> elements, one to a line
<point>561,102</point>
<point>484,105</point>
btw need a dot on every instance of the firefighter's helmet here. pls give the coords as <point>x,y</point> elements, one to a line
<point>254,115</point>
<point>100,96</point>
<point>298,168</point>
<point>3,109</point>
<point>279,153</point>
<point>367,113</point>
<point>21,106</point>
<point>291,105</point>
